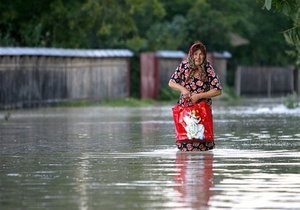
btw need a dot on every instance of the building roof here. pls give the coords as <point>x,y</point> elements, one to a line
<point>60,52</point>
<point>224,54</point>
<point>170,54</point>
<point>236,40</point>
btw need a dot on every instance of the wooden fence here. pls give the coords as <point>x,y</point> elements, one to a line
<point>264,81</point>
<point>34,76</point>
<point>156,70</point>
<point>51,75</point>
<point>158,67</point>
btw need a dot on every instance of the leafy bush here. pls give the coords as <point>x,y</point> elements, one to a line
<point>291,101</point>
<point>168,94</point>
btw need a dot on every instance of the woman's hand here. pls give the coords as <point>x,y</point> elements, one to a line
<point>209,94</point>
<point>186,94</point>
<point>195,97</point>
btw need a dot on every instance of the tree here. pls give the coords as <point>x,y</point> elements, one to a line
<point>146,25</point>
<point>290,8</point>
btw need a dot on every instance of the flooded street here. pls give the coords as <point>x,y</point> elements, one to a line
<point>125,158</point>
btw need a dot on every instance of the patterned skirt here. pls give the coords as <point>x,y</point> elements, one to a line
<point>191,145</point>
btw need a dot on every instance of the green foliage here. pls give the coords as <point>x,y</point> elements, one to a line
<point>291,101</point>
<point>132,102</point>
<point>206,22</point>
<point>143,25</point>
<point>7,116</point>
<point>229,96</point>
<point>290,8</point>
<point>169,35</point>
<point>168,94</point>
<point>268,4</point>
<point>75,103</point>
<point>287,7</point>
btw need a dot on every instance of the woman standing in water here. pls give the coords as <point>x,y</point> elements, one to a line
<point>197,81</point>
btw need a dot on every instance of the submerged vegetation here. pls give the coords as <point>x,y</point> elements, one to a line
<point>291,101</point>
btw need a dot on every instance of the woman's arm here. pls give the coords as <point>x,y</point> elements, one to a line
<point>209,94</point>
<point>181,89</point>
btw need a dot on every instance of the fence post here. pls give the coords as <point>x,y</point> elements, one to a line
<point>269,82</point>
<point>238,81</point>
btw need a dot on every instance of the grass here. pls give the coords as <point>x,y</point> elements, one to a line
<point>131,102</point>
<point>166,96</point>
<point>128,102</point>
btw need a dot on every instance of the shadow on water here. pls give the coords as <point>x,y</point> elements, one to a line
<point>125,158</point>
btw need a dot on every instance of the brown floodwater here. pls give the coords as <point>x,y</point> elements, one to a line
<point>125,158</point>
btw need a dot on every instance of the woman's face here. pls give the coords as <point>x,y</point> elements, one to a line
<point>198,57</point>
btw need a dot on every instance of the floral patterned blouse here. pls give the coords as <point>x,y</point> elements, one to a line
<point>196,80</point>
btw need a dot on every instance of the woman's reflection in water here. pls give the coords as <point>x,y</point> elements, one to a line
<point>194,178</point>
